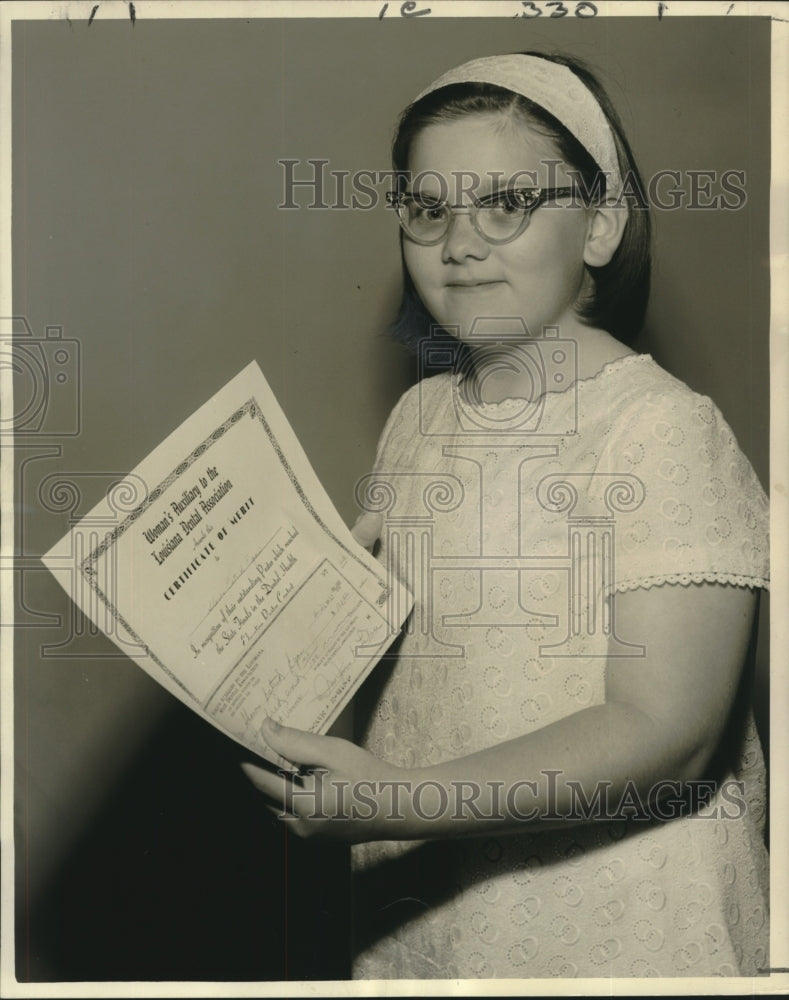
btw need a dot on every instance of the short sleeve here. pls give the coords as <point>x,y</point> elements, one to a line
<point>701,515</point>
<point>419,406</point>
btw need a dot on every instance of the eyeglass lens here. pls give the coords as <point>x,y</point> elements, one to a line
<point>499,218</point>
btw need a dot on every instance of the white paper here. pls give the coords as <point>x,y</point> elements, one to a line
<point>230,577</point>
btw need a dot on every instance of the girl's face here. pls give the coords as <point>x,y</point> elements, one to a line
<point>540,275</point>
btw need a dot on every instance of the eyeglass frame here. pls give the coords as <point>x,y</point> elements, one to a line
<point>395,200</point>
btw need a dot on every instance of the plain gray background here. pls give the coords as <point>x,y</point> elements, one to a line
<point>145,224</point>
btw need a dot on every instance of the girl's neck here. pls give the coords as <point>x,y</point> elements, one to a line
<point>543,364</point>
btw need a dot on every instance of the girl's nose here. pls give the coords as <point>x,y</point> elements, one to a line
<point>463,240</point>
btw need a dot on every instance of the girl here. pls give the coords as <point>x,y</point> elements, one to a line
<point>558,774</point>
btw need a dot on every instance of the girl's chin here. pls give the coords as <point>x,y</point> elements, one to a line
<point>488,328</point>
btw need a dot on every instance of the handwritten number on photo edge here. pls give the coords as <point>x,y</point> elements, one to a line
<point>407,9</point>
<point>531,10</point>
<point>583,9</point>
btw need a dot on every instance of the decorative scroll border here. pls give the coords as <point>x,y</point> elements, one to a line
<point>88,567</point>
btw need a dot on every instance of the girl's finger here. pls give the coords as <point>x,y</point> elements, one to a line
<point>280,814</point>
<point>283,793</point>
<point>367,529</point>
<point>298,746</point>
<point>273,785</point>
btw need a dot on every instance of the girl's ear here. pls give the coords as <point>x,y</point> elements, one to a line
<point>604,234</point>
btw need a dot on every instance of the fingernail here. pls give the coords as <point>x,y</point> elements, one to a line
<point>272,725</point>
<point>250,772</point>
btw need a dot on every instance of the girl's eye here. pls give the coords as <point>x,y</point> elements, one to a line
<point>435,212</point>
<point>506,203</point>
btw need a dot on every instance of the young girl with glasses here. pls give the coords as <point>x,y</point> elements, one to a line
<point>557,771</point>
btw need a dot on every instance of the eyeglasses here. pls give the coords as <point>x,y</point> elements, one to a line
<point>498,218</point>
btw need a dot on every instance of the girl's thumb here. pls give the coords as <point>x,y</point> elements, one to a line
<point>367,529</point>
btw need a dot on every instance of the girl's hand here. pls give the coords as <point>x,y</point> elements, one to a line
<point>367,529</point>
<point>319,798</point>
<point>336,788</point>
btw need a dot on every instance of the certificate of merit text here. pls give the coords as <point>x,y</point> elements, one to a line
<point>221,566</point>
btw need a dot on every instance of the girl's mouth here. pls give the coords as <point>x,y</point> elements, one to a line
<point>472,284</point>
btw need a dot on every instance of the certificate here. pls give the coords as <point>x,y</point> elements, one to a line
<point>231,578</point>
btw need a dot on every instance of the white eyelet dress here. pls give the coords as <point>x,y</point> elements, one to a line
<point>512,524</point>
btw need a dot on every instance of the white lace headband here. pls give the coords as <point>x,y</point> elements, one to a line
<point>555,88</point>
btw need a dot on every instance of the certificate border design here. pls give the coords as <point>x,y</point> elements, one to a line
<point>88,567</point>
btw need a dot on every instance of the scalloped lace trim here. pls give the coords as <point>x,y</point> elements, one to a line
<point>686,579</point>
<point>610,366</point>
